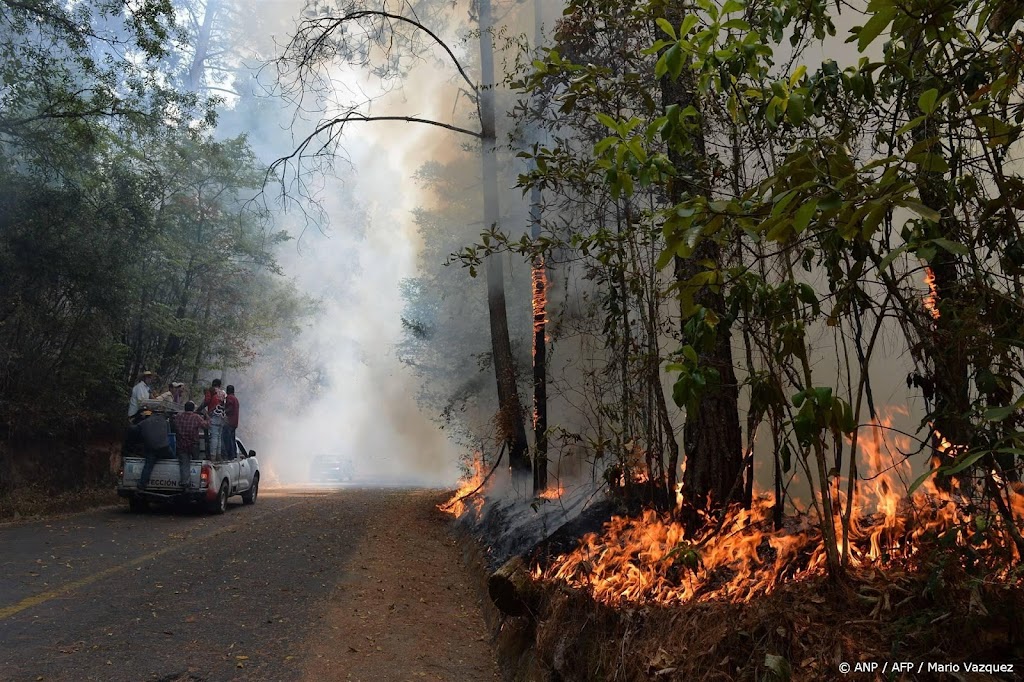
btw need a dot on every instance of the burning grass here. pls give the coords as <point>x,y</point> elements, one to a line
<point>651,559</point>
<point>465,497</point>
<point>805,628</point>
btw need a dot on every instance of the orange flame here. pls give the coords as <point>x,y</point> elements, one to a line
<point>649,559</point>
<point>931,299</point>
<point>456,506</point>
<point>539,277</point>
<point>551,493</point>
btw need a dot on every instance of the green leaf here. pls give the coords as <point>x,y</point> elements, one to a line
<point>891,256</point>
<point>926,102</point>
<point>666,26</point>
<point>951,246</point>
<point>731,6</point>
<point>601,147</point>
<point>803,215</point>
<point>689,22</point>
<point>674,61</point>
<point>608,121</point>
<point>921,210</point>
<point>964,461</point>
<point>874,27</point>
<point>920,480</point>
<point>795,109</point>
<point>998,414</point>
<point>798,73</point>
<point>910,125</point>
<point>738,24</point>
<point>932,163</point>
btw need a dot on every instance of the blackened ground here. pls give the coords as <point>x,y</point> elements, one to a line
<point>328,584</point>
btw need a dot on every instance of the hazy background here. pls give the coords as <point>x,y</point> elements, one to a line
<point>339,385</point>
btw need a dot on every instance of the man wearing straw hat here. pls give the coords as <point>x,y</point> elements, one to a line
<point>139,393</point>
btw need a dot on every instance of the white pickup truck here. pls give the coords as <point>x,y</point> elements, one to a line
<point>212,481</point>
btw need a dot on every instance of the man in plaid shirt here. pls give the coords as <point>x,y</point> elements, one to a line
<point>187,425</point>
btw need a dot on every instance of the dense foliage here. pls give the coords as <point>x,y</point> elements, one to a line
<point>128,240</point>
<point>808,206</point>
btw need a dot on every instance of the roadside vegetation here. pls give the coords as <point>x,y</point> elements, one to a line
<point>128,238</point>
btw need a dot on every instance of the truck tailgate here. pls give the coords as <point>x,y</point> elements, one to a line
<point>165,474</point>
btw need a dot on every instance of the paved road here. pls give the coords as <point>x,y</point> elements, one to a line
<point>109,595</point>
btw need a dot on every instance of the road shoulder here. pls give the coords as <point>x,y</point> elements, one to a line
<point>407,608</point>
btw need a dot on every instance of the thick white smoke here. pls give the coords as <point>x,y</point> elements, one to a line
<point>364,407</point>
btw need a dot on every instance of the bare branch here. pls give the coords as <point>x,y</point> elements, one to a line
<point>313,33</point>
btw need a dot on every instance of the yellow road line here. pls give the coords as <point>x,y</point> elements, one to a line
<point>42,597</point>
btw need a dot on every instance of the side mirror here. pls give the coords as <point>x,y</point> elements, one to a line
<point>252,453</point>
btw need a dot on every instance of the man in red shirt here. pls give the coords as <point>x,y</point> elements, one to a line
<point>187,426</point>
<point>213,403</point>
<point>230,423</point>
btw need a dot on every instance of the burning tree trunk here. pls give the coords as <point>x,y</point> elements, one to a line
<point>950,376</point>
<point>540,391</point>
<point>540,321</point>
<point>711,437</point>
<point>509,407</point>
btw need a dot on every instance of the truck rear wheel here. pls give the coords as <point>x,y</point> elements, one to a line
<point>220,505</point>
<point>249,496</point>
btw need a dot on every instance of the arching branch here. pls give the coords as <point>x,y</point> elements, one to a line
<point>325,26</point>
<point>408,119</point>
<point>334,128</point>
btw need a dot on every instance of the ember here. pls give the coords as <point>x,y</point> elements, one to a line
<point>540,295</point>
<point>931,299</point>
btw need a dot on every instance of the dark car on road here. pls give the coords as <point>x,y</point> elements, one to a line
<point>331,468</point>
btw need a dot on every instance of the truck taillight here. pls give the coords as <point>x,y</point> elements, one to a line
<point>204,476</point>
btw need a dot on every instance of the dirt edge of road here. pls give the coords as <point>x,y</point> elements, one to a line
<point>35,503</point>
<point>418,613</point>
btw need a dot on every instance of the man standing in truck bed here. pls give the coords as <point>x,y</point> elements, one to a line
<point>140,392</point>
<point>187,427</point>
<point>213,403</point>
<point>152,431</point>
<point>230,423</point>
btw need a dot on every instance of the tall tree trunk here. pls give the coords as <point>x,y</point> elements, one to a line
<point>950,375</point>
<point>194,79</point>
<point>509,407</point>
<point>712,440</point>
<point>540,321</point>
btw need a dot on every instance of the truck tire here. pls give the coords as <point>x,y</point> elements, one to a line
<point>249,496</point>
<point>220,505</point>
<point>137,506</point>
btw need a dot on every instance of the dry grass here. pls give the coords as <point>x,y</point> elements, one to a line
<point>810,626</point>
<point>40,502</point>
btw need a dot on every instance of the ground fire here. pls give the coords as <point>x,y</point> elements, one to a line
<point>650,559</point>
<point>646,559</point>
<point>465,495</point>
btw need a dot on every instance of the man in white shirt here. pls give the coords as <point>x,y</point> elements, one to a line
<point>139,393</point>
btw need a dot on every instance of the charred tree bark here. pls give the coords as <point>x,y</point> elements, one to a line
<point>509,407</point>
<point>712,442</point>
<point>512,588</point>
<point>540,386</point>
<point>540,322</point>
<point>943,346</point>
